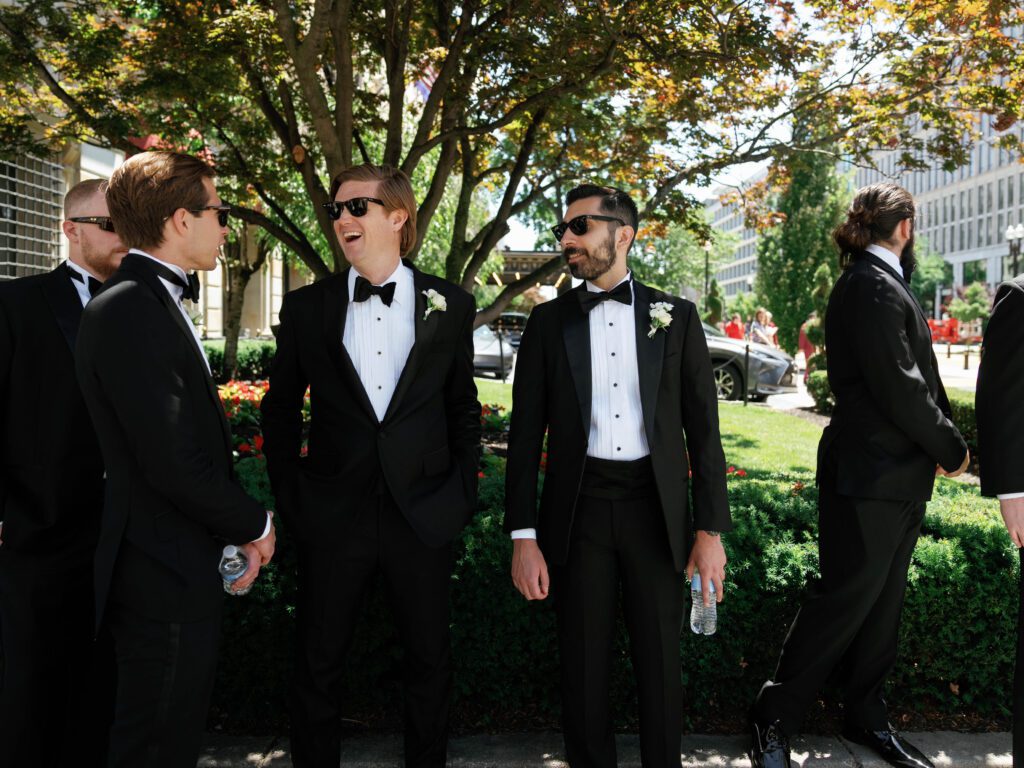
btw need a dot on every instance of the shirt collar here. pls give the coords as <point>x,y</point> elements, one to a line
<point>401,277</point>
<point>174,289</point>
<point>594,289</point>
<point>82,271</point>
<point>887,256</point>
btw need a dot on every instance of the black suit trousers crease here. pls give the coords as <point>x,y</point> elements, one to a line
<point>619,544</point>
<point>334,579</point>
<point>852,614</point>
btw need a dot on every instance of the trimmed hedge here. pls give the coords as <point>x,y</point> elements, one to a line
<point>956,649</point>
<point>254,356</point>
<point>819,389</point>
<point>961,403</point>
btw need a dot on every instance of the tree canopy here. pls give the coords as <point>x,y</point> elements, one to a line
<point>512,102</point>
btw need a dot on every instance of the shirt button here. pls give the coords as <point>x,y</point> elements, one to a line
<point>619,448</point>
<point>378,319</point>
<point>616,415</point>
<point>613,354</point>
<point>380,387</point>
<point>379,352</point>
<point>611,323</point>
<point>615,385</point>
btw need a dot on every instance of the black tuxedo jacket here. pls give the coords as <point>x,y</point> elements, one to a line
<point>552,392</point>
<point>891,423</point>
<point>51,472</point>
<point>426,448</point>
<point>171,501</point>
<point>1000,396</point>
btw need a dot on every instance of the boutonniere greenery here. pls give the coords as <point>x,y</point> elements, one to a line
<point>661,317</point>
<point>435,302</point>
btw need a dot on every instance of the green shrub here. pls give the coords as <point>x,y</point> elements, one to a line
<point>818,388</point>
<point>254,356</point>
<point>962,405</point>
<point>956,647</point>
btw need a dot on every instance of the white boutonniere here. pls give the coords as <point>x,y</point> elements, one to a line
<point>435,302</point>
<point>660,317</point>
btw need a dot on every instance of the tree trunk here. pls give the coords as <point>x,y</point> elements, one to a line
<point>238,279</point>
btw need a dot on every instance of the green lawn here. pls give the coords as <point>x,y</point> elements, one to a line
<point>494,392</point>
<point>758,438</point>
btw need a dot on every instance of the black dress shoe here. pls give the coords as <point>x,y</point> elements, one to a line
<point>770,748</point>
<point>892,747</point>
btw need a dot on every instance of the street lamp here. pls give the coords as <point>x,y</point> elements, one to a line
<point>1015,236</point>
<point>707,275</point>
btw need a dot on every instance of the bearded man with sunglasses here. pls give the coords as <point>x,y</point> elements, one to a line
<point>619,377</point>
<point>172,501</point>
<point>390,477</point>
<point>55,683</point>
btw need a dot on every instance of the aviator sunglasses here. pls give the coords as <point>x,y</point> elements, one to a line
<point>103,222</point>
<point>579,225</point>
<point>356,206</point>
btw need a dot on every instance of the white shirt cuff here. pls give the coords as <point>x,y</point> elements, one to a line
<point>524,533</point>
<point>1003,496</point>
<point>266,530</point>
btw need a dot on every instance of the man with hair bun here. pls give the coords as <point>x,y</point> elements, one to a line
<point>55,684</point>
<point>389,481</point>
<point>891,433</point>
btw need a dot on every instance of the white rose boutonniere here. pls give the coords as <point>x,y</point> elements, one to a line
<point>435,302</point>
<point>660,317</point>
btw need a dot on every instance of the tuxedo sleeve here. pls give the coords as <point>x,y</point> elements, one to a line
<point>462,405</point>
<point>137,370</point>
<point>526,430</point>
<point>700,425</point>
<point>281,409</point>
<point>6,358</point>
<point>1000,397</point>
<point>891,372</point>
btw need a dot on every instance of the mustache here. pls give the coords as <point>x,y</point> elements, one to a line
<point>571,251</point>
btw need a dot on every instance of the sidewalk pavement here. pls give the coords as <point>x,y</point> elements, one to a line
<point>545,750</point>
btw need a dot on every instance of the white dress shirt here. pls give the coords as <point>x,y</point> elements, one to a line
<point>175,291</point>
<point>887,256</point>
<point>616,414</point>
<point>82,286</point>
<point>378,338</point>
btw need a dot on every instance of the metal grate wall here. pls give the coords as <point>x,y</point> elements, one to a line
<point>31,198</point>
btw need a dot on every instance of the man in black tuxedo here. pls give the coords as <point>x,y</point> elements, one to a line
<point>889,436</point>
<point>1000,414</point>
<point>618,375</point>
<point>56,684</point>
<point>171,500</point>
<point>390,476</point>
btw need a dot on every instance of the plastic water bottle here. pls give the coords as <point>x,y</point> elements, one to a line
<point>703,620</point>
<point>233,564</point>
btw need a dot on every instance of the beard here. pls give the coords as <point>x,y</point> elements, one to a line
<point>592,265</point>
<point>908,260</point>
<point>102,263</point>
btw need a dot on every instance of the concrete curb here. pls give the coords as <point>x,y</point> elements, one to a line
<point>545,750</point>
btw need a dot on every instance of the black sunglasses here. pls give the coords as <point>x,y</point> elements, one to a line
<point>356,206</point>
<point>103,222</point>
<point>223,211</point>
<point>579,225</point>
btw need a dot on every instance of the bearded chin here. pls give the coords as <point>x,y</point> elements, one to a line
<point>908,260</point>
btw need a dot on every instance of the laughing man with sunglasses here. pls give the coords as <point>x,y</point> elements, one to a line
<point>618,376</point>
<point>390,478</point>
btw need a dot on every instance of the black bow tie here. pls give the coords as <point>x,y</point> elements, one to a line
<point>365,289</point>
<point>622,292</point>
<point>93,284</point>
<point>189,286</point>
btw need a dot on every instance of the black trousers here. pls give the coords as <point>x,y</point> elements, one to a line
<point>1018,678</point>
<point>56,682</point>
<point>853,613</point>
<point>165,679</point>
<point>617,543</point>
<point>333,581</point>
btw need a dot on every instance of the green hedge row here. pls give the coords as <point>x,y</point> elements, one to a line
<point>254,356</point>
<point>956,650</point>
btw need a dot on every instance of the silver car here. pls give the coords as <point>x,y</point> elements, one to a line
<point>771,371</point>
<point>490,356</point>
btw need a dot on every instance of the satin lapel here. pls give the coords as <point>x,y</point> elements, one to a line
<point>63,300</point>
<point>335,313</point>
<point>148,276</point>
<point>424,333</point>
<point>576,333</point>
<point>650,352</point>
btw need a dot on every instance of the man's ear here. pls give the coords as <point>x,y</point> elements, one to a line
<point>398,218</point>
<point>624,236</point>
<point>70,230</point>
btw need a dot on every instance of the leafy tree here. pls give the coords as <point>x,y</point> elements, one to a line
<point>513,100</point>
<point>822,289</point>
<point>931,272</point>
<point>745,304</point>
<point>243,255</point>
<point>673,257</point>
<point>975,304</point>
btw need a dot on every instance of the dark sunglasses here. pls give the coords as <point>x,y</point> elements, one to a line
<point>356,206</point>
<point>103,222</point>
<point>579,225</point>
<point>223,211</point>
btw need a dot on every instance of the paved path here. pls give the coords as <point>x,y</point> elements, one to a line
<point>544,750</point>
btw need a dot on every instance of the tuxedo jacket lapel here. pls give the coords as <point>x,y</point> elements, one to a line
<point>424,330</point>
<point>335,314</point>
<point>899,279</point>
<point>65,303</point>
<point>650,353</point>
<point>576,335</point>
